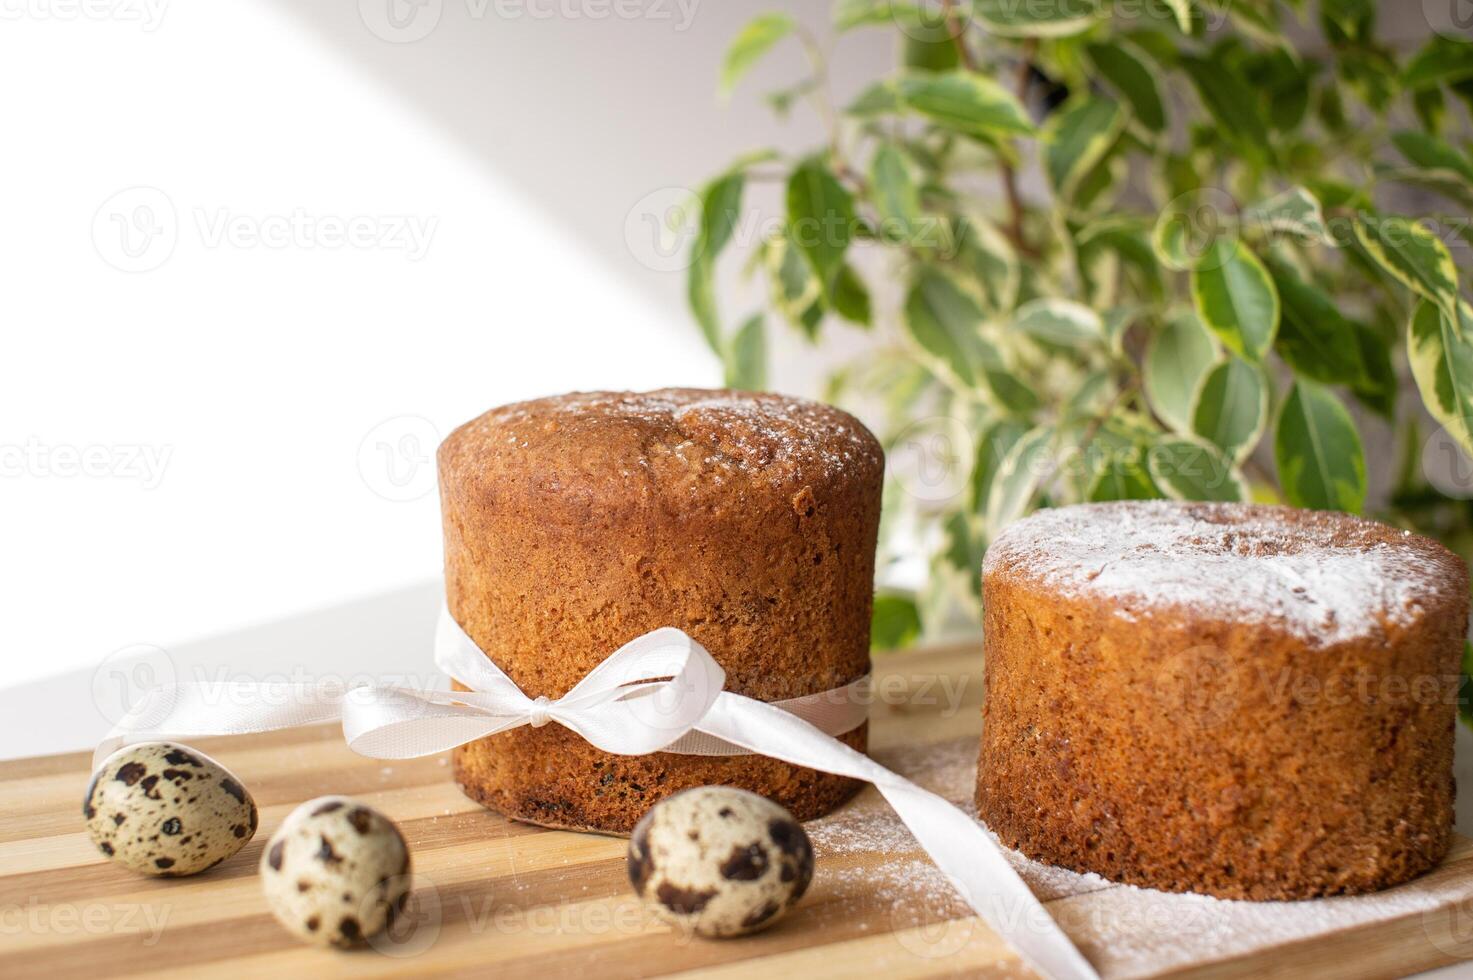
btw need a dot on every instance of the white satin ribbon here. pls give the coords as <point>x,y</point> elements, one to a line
<point>660,692</point>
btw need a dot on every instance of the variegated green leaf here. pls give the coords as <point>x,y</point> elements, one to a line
<point>1128,240</point>
<point>945,321</point>
<point>992,448</point>
<point>1232,102</point>
<point>821,220</point>
<point>1126,70</point>
<point>1055,18</point>
<point>1182,9</point>
<point>1000,382</point>
<point>1318,451</point>
<point>895,623</point>
<point>1314,339</point>
<point>850,297</point>
<point>966,102</point>
<point>908,15</point>
<point>1191,225</point>
<point>1179,357</point>
<point>1059,321</point>
<point>1413,254</point>
<point>1441,356</point>
<point>1076,137</point>
<point>721,204</point>
<point>880,98</point>
<point>992,263</point>
<point>1236,299</point>
<point>1194,469</point>
<point>746,358</point>
<point>1431,153</point>
<point>1022,472</point>
<point>1448,183</point>
<point>896,197</point>
<point>794,288</point>
<point>1122,477</point>
<point>1296,212</point>
<point>754,40</point>
<point>1230,408</point>
<point>1442,61</point>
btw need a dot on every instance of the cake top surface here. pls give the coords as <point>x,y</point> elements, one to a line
<point>677,437</point>
<point>1324,576</point>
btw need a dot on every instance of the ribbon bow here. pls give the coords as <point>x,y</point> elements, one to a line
<point>660,692</point>
<point>645,697</point>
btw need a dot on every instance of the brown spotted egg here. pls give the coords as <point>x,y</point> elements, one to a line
<point>719,860</point>
<point>336,872</point>
<point>164,809</point>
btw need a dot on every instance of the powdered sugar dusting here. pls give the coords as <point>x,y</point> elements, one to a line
<point>866,857</point>
<point>1325,577</point>
<point>695,429</point>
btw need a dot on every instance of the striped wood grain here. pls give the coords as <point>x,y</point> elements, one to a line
<point>519,901</point>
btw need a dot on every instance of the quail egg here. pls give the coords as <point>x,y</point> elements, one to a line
<point>719,860</point>
<point>168,810</point>
<point>336,872</point>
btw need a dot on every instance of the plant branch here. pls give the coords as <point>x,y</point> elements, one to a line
<point>957,31</point>
<point>1009,175</point>
<point>822,97</point>
<point>1092,428</point>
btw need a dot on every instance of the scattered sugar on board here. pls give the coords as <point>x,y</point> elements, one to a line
<point>1327,578</point>
<point>1125,931</point>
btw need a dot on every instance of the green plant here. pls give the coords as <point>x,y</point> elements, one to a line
<point>1216,261</point>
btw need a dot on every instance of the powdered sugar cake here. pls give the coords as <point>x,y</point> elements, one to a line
<point>1238,700</point>
<point>574,524</point>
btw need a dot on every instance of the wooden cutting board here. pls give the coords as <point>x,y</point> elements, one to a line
<point>495,897</point>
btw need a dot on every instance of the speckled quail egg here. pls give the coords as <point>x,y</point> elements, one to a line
<point>164,809</point>
<point>336,872</point>
<point>719,860</point>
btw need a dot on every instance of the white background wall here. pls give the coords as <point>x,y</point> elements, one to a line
<point>216,412</point>
<point>240,427</point>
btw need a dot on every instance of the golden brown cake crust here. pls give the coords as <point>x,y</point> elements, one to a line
<point>574,524</point>
<point>1249,702</point>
